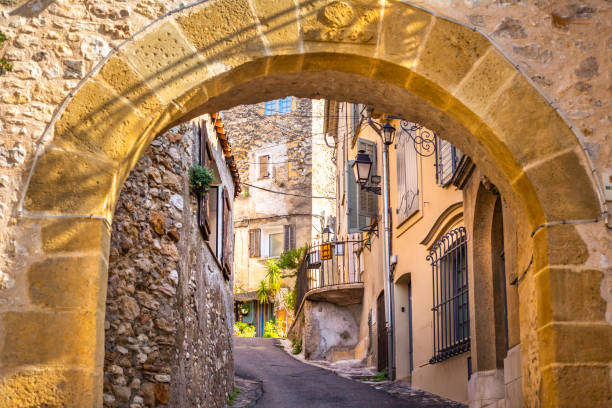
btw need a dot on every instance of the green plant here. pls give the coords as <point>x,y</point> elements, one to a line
<point>378,377</point>
<point>200,178</point>
<point>291,260</point>
<point>231,397</point>
<point>274,276</point>
<point>271,330</point>
<point>296,347</point>
<point>4,64</point>
<point>291,300</point>
<point>244,329</point>
<point>263,293</point>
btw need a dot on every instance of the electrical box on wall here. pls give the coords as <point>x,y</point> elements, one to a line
<point>607,185</point>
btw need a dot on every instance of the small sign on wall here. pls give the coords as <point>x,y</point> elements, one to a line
<point>607,176</point>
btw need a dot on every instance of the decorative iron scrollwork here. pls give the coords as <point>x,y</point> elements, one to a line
<point>423,138</point>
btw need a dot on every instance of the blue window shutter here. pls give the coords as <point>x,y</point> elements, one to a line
<point>271,107</point>
<point>285,105</point>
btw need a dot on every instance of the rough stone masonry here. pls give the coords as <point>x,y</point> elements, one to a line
<point>169,308</point>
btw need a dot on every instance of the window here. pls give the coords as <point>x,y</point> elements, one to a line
<point>284,105</point>
<point>228,234</point>
<point>264,162</point>
<point>277,106</point>
<point>451,316</point>
<point>447,157</point>
<point>255,243</point>
<point>407,175</point>
<point>289,238</point>
<point>276,244</point>
<point>213,217</point>
<point>362,205</point>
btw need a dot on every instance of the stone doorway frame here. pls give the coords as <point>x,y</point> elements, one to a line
<point>402,59</point>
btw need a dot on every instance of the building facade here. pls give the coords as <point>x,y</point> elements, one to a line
<point>168,284</point>
<point>453,260</point>
<point>287,197</point>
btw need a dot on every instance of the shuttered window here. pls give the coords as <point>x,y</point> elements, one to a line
<point>255,243</point>
<point>289,238</point>
<point>362,205</point>
<point>228,234</point>
<point>407,175</point>
<point>205,160</point>
<point>264,162</point>
<point>447,158</point>
<point>351,203</point>
<point>368,201</point>
<point>284,105</point>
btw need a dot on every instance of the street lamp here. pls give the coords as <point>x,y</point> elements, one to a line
<point>388,133</point>
<point>326,234</point>
<point>362,167</point>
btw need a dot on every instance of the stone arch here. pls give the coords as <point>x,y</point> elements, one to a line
<point>400,58</point>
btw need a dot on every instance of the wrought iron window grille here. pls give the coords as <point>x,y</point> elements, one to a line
<point>451,316</point>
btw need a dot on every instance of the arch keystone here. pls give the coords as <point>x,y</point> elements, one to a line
<point>225,32</point>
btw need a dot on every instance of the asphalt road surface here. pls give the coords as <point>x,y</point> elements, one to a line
<point>289,383</point>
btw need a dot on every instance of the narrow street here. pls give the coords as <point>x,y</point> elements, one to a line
<point>288,382</point>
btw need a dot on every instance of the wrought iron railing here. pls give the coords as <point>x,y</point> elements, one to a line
<point>451,315</point>
<point>330,263</point>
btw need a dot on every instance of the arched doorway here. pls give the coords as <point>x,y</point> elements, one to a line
<point>399,58</point>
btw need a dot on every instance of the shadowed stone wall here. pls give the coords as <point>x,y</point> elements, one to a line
<point>168,308</point>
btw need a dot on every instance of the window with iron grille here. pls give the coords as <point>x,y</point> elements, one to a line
<point>451,316</point>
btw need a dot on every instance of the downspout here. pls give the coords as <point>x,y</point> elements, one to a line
<point>388,279</point>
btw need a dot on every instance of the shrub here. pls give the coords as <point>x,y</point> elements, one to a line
<point>244,329</point>
<point>271,330</point>
<point>296,347</point>
<point>200,178</point>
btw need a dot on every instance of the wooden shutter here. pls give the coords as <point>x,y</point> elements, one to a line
<point>205,160</point>
<point>407,176</point>
<point>263,166</point>
<point>228,235</point>
<point>351,194</point>
<point>445,161</point>
<point>367,201</point>
<point>255,243</point>
<point>289,237</point>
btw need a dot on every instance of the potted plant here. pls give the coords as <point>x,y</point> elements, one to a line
<point>200,178</point>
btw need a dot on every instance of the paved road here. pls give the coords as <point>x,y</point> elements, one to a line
<point>289,383</point>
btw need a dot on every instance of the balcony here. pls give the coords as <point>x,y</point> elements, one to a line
<point>331,272</point>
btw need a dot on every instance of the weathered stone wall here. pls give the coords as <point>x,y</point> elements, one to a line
<point>327,331</point>
<point>292,141</point>
<point>168,308</point>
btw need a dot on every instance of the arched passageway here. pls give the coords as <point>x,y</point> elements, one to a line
<point>399,58</point>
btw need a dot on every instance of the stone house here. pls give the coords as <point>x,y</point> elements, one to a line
<point>285,165</point>
<point>455,310</point>
<point>169,303</point>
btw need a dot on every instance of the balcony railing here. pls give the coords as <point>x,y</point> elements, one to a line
<point>330,263</point>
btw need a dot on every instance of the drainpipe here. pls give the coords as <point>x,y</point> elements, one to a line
<point>388,279</point>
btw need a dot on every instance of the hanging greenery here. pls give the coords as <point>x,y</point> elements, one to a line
<point>200,178</point>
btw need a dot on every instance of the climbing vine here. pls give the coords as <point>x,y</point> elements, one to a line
<point>5,66</point>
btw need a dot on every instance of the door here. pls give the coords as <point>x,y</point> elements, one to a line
<point>381,328</point>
